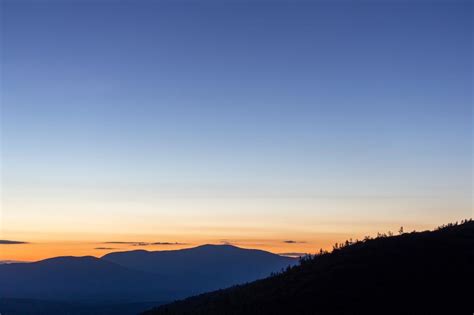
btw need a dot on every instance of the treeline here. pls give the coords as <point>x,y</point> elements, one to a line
<point>408,273</point>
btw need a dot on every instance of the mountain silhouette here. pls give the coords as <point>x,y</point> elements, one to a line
<point>129,277</point>
<point>412,273</point>
<point>42,307</point>
<point>206,267</point>
<point>77,278</point>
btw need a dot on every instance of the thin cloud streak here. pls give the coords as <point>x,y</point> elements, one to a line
<point>293,254</point>
<point>293,242</point>
<point>168,243</point>
<point>8,242</point>
<point>146,243</point>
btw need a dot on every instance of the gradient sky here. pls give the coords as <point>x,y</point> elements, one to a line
<point>249,122</point>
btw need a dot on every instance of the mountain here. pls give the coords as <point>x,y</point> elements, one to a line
<point>79,279</point>
<point>44,307</point>
<point>412,273</point>
<point>206,267</point>
<point>128,280</point>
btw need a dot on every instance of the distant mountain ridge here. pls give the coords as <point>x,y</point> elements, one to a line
<point>412,273</point>
<point>204,267</point>
<point>43,307</point>
<point>75,278</point>
<point>135,276</point>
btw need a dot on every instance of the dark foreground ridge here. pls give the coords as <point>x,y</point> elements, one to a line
<point>411,273</point>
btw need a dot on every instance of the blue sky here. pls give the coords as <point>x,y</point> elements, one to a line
<point>108,102</point>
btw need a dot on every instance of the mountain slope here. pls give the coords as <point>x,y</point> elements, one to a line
<point>206,267</point>
<point>78,278</point>
<point>414,273</point>
<point>42,307</point>
<point>136,276</point>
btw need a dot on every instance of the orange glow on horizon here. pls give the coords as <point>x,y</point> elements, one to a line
<point>43,250</point>
<point>46,245</point>
<point>35,251</point>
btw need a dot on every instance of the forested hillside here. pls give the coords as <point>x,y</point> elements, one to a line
<point>428,272</point>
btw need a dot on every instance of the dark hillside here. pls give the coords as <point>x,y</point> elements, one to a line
<point>412,273</point>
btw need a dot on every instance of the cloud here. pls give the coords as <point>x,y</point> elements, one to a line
<point>128,243</point>
<point>146,243</point>
<point>168,243</point>
<point>225,242</point>
<point>247,243</point>
<point>293,254</point>
<point>7,242</point>
<point>104,248</point>
<point>293,242</point>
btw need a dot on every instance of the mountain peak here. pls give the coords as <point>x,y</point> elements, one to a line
<point>219,246</point>
<point>66,259</point>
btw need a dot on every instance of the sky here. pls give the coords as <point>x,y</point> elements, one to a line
<point>280,125</point>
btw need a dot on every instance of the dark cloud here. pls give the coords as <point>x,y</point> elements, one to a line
<point>7,242</point>
<point>293,242</point>
<point>104,248</point>
<point>293,254</point>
